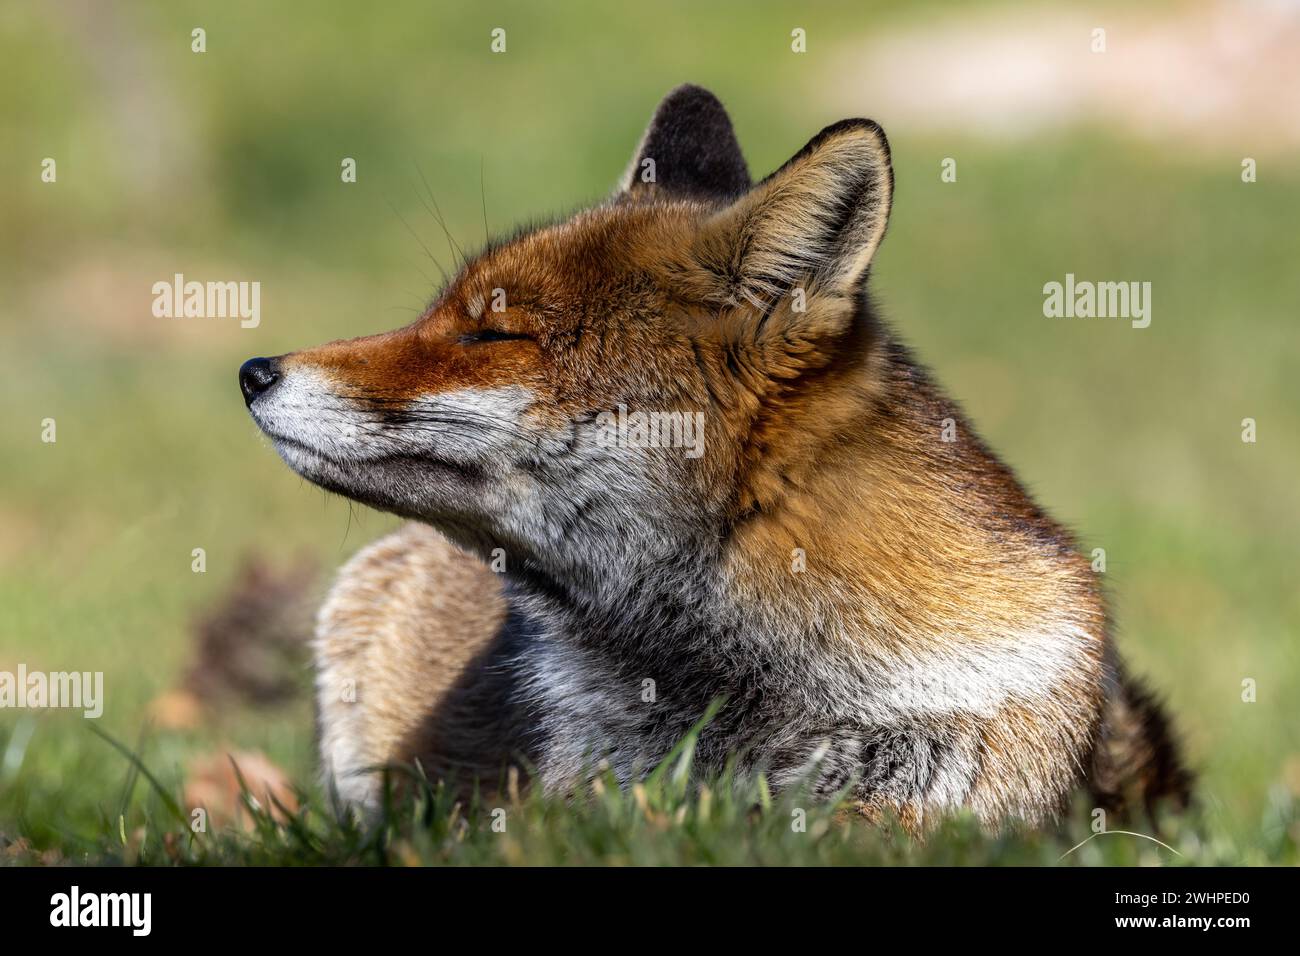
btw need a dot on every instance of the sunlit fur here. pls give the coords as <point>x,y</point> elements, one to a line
<point>885,611</point>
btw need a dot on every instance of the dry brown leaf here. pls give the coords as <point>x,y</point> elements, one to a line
<point>212,783</point>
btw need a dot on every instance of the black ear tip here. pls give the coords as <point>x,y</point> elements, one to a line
<point>856,124</point>
<point>688,94</point>
<point>694,147</point>
<point>694,104</point>
<point>878,131</point>
<point>847,127</point>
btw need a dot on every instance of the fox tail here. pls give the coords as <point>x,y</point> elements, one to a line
<point>1137,763</point>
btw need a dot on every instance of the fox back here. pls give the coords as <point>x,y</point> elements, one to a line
<point>705,468</point>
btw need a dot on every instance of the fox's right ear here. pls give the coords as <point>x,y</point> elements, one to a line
<point>815,222</point>
<point>688,150</point>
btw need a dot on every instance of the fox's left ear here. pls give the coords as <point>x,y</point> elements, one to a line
<point>689,150</point>
<point>816,222</point>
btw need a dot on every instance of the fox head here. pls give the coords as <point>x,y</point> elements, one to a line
<point>654,368</point>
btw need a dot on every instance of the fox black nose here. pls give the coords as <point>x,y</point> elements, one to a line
<point>256,376</point>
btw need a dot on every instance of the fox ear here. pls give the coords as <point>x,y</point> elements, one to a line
<point>816,221</point>
<point>688,150</point>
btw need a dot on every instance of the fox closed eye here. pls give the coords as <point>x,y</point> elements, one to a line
<point>491,335</point>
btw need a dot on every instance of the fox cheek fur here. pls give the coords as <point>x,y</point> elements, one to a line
<point>875,596</point>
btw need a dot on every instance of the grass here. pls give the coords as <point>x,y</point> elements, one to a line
<point>672,818</point>
<point>1131,436</point>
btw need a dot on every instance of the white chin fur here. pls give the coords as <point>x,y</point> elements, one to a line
<point>309,420</point>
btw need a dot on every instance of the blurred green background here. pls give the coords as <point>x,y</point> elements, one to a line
<point>226,165</point>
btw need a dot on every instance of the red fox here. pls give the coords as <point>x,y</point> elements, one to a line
<point>831,550</point>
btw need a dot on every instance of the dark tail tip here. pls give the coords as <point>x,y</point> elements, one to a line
<point>1138,763</point>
